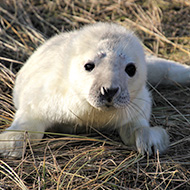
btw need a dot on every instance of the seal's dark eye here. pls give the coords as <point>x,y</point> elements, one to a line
<point>130,69</point>
<point>89,66</point>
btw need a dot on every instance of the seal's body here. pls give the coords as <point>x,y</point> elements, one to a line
<point>91,78</point>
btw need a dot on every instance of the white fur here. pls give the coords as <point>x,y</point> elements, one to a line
<point>53,88</point>
<point>166,72</point>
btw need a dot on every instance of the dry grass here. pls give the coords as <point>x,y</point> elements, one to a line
<point>94,161</point>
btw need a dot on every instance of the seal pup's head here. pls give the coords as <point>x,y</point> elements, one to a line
<point>109,61</point>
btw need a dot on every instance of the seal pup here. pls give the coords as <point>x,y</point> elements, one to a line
<point>92,77</point>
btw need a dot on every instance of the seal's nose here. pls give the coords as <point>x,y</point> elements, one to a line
<point>109,93</point>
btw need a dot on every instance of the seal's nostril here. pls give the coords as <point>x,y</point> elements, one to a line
<point>109,93</point>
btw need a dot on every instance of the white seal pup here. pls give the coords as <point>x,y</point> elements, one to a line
<point>93,77</point>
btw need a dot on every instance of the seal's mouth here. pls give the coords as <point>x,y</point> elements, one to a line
<point>104,106</point>
<point>109,100</point>
<point>110,106</point>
